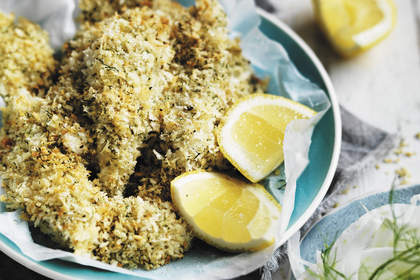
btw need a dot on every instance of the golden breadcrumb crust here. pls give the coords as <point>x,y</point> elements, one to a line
<point>139,94</point>
<point>19,68</point>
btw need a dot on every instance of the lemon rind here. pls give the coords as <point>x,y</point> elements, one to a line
<point>255,244</point>
<point>361,44</point>
<point>377,32</point>
<point>235,155</point>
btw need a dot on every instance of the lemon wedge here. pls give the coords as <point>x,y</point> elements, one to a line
<point>227,213</point>
<point>354,26</point>
<point>252,134</point>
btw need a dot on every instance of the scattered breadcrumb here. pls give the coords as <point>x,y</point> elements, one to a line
<point>400,149</point>
<point>377,166</point>
<point>409,154</point>
<point>417,136</point>
<point>89,156</point>
<point>388,160</point>
<point>403,143</point>
<point>403,174</point>
<point>399,152</point>
<point>345,191</point>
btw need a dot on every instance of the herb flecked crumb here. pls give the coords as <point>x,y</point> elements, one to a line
<point>89,155</point>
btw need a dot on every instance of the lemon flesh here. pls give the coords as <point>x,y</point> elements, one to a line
<point>354,26</point>
<point>227,213</point>
<point>253,133</point>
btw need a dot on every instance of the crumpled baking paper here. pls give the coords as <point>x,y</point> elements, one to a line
<point>364,245</point>
<point>269,59</point>
<point>54,16</point>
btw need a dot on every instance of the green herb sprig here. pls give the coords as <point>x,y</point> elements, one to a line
<point>406,253</point>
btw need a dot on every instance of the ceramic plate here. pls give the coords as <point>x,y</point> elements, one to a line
<point>332,225</point>
<point>311,186</point>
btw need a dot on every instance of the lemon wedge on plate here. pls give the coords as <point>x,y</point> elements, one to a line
<point>354,26</point>
<point>228,213</point>
<point>252,134</point>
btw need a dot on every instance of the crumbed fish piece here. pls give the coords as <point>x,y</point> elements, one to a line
<point>44,143</point>
<point>96,10</point>
<point>122,68</point>
<point>43,176</point>
<point>211,75</point>
<point>26,70</point>
<point>26,57</point>
<point>136,232</point>
<point>157,70</point>
<point>141,91</point>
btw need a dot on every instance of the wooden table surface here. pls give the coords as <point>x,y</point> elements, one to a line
<point>381,86</point>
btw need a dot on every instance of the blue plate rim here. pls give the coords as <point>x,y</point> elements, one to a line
<point>337,125</point>
<point>32,265</point>
<point>372,196</point>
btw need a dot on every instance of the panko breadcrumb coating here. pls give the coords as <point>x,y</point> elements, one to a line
<point>140,92</point>
<point>19,69</point>
<point>97,10</point>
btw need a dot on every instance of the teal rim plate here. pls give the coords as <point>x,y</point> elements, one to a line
<point>332,226</point>
<point>311,186</point>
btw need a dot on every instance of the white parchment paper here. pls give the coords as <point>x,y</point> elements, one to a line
<point>269,60</point>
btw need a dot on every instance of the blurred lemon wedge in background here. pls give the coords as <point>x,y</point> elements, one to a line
<point>354,26</point>
<point>228,213</point>
<point>252,134</point>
